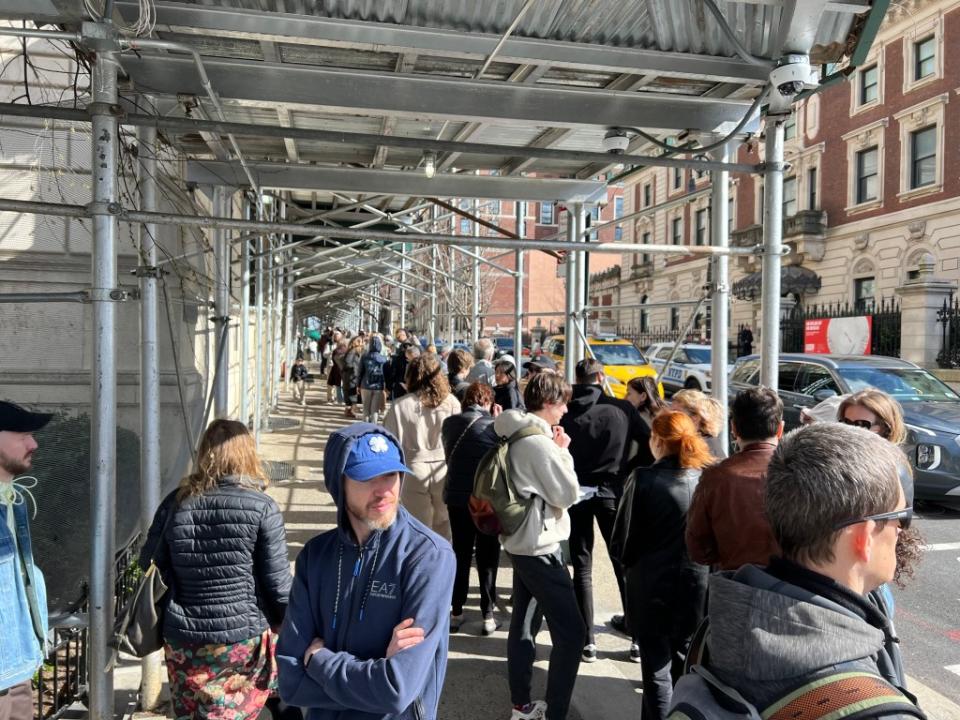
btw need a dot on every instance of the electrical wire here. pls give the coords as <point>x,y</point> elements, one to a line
<point>144,25</point>
<point>728,32</point>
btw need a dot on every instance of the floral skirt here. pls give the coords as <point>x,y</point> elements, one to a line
<point>221,682</point>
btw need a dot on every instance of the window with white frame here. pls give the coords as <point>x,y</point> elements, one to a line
<point>677,178</point>
<point>703,231</point>
<point>923,52</point>
<point>868,174</point>
<point>676,231</point>
<point>790,127</point>
<point>864,293</point>
<point>923,157</point>
<point>865,166</point>
<point>789,196</point>
<point>812,189</point>
<point>546,214</point>
<point>466,226</point>
<point>868,85</point>
<point>921,137</point>
<point>594,220</point>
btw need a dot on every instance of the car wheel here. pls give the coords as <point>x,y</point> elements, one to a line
<point>692,384</point>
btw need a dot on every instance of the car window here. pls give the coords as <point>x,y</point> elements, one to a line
<point>617,354</point>
<point>746,373</point>
<point>557,347</point>
<point>905,384</point>
<point>681,357</point>
<point>815,378</point>
<point>664,353</point>
<point>699,355</point>
<point>789,373</point>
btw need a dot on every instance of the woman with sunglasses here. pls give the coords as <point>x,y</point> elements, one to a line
<point>875,411</point>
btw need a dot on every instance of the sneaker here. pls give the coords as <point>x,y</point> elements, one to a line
<point>537,710</point>
<point>634,652</point>
<point>589,654</point>
<point>619,623</point>
<point>455,622</point>
<point>490,625</point>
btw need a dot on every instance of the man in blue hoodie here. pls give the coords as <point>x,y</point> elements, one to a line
<point>366,631</point>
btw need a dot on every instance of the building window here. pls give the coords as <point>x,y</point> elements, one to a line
<point>594,220</point>
<point>493,207</point>
<point>647,195</point>
<point>789,197</point>
<point>864,292</point>
<point>674,319</point>
<point>644,316</point>
<point>466,226</point>
<point>869,85</point>
<point>923,157</point>
<point>790,127</point>
<point>867,175</point>
<point>731,216</point>
<point>546,213</point>
<point>676,231</point>
<point>812,189</point>
<point>702,231</point>
<point>677,178</point>
<point>924,58</point>
<point>647,257</point>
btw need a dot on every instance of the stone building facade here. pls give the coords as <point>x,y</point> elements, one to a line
<point>873,186</point>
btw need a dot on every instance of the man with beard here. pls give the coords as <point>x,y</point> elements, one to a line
<point>24,607</point>
<point>366,630</point>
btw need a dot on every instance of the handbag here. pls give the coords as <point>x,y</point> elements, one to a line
<point>138,630</point>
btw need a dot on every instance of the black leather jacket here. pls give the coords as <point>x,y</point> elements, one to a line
<point>462,463</point>
<point>224,558</point>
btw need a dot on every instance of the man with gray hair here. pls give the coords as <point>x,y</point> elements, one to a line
<point>482,370</point>
<point>801,631</point>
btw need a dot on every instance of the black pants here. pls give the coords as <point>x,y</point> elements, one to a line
<point>542,588</point>
<point>581,551</point>
<point>466,538</point>
<point>661,665</point>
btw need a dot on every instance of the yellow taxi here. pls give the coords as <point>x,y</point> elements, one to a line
<point>622,360</point>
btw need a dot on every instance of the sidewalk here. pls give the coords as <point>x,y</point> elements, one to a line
<point>476,683</point>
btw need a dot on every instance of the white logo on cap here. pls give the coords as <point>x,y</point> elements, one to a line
<point>378,444</point>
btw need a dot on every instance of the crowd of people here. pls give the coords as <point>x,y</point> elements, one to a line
<point>747,583</point>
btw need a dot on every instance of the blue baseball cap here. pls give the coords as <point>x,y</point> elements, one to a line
<point>373,455</point>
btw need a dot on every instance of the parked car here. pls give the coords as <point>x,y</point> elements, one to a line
<point>931,410</point>
<point>622,360</point>
<point>690,367</point>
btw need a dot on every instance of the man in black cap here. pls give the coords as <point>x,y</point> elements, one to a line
<point>26,624</point>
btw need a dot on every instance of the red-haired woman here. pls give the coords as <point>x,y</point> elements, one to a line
<point>665,589</point>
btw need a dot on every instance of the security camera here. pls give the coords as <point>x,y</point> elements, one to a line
<point>792,74</point>
<point>616,142</point>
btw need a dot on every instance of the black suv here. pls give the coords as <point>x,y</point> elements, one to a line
<point>931,410</point>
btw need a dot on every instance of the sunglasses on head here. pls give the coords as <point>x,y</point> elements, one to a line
<point>904,517</point>
<point>865,424</point>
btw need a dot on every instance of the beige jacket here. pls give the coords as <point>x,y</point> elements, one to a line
<point>538,467</point>
<point>418,427</point>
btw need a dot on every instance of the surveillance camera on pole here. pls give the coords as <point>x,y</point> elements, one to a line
<point>792,75</point>
<point>616,141</point>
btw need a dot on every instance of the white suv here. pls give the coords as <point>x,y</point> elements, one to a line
<point>690,367</point>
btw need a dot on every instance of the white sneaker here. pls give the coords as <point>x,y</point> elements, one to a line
<point>537,710</point>
<point>490,625</point>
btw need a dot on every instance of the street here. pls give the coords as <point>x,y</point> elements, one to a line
<point>928,609</point>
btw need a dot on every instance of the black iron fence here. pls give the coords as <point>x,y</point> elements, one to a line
<point>885,314</point>
<point>949,318</point>
<point>62,679</point>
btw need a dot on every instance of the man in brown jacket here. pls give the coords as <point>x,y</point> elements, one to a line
<point>727,524</point>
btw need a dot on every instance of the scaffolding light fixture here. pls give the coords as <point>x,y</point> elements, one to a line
<point>430,164</point>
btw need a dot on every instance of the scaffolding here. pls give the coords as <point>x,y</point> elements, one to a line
<point>369,234</point>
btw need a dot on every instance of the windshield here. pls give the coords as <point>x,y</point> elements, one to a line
<point>905,384</point>
<point>618,354</point>
<point>698,355</point>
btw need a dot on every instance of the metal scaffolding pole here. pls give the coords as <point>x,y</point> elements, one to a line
<point>570,332</point>
<point>103,434</point>
<point>268,328</point>
<point>579,285</point>
<point>772,241</point>
<point>720,311</point>
<point>451,289</point>
<point>432,321</point>
<point>291,353</point>
<point>518,288</point>
<point>221,320</point>
<point>150,677</point>
<point>402,322</point>
<point>277,344</point>
<point>245,331</point>
<point>258,346</point>
<point>475,299</point>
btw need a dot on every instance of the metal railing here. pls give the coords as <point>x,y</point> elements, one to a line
<point>949,318</point>
<point>61,680</point>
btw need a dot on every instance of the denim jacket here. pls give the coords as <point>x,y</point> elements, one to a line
<point>20,651</point>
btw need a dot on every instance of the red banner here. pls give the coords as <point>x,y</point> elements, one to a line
<point>838,336</point>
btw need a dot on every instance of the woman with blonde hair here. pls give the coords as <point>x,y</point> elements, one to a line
<point>219,543</point>
<point>416,419</point>
<point>707,413</point>
<point>665,589</point>
<point>875,411</point>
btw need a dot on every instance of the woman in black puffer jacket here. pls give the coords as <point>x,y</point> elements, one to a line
<point>220,545</point>
<point>466,439</point>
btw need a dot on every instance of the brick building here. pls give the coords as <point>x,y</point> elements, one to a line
<point>873,186</point>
